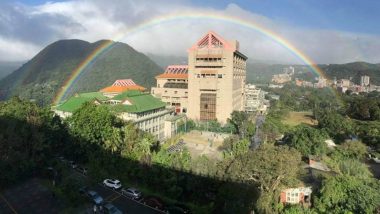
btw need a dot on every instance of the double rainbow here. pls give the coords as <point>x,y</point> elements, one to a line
<point>77,73</point>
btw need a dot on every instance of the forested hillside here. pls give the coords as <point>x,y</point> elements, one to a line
<point>41,77</point>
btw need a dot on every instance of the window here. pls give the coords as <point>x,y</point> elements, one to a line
<point>220,75</point>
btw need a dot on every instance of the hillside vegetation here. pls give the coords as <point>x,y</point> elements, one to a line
<point>41,77</point>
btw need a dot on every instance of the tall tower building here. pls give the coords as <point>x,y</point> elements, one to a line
<point>216,78</point>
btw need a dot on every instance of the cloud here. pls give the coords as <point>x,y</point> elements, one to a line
<point>36,26</point>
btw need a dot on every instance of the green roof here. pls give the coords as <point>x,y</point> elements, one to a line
<point>75,102</point>
<point>97,95</point>
<point>140,102</point>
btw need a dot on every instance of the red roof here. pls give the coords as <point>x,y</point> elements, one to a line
<point>175,71</point>
<point>122,85</point>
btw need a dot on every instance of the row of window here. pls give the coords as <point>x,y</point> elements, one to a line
<point>209,76</point>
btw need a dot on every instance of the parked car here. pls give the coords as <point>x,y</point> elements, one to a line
<point>83,190</point>
<point>177,209</point>
<point>62,159</point>
<point>72,164</point>
<point>111,209</point>
<point>95,197</point>
<point>131,192</point>
<point>112,183</point>
<point>154,202</point>
<point>82,170</point>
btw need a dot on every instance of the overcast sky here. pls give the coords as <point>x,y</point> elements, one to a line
<point>328,31</point>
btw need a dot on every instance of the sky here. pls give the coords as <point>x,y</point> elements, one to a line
<point>327,31</point>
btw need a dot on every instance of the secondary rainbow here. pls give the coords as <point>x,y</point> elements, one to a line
<point>159,20</point>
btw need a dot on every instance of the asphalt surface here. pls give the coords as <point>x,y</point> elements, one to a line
<point>123,203</point>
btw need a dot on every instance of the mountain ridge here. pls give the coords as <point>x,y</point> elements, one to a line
<point>41,77</point>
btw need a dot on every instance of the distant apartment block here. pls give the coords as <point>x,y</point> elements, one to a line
<point>364,81</point>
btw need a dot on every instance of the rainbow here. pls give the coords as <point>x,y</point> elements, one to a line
<point>159,20</point>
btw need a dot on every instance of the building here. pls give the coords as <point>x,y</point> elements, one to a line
<point>346,83</point>
<point>281,78</point>
<point>289,70</point>
<point>148,113</point>
<point>300,195</point>
<point>321,83</point>
<point>217,75</point>
<point>120,86</point>
<point>172,87</point>
<point>364,80</point>
<point>254,99</point>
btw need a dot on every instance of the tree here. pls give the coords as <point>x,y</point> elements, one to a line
<point>93,123</point>
<point>307,140</point>
<point>244,127</point>
<point>348,194</point>
<point>270,168</point>
<point>335,124</point>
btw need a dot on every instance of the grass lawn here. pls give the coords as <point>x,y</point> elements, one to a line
<point>295,118</point>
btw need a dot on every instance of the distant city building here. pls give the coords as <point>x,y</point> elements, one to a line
<point>307,84</point>
<point>289,70</point>
<point>344,83</point>
<point>254,99</point>
<point>322,83</point>
<point>275,86</point>
<point>364,80</point>
<point>281,78</point>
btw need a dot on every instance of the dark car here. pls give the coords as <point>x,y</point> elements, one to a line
<point>95,197</point>
<point>82,170</point>
<point>83,190</point>
<point>154,202</point>
<point>111,209</point>
<point>131,192</point>
<point>178,209</point>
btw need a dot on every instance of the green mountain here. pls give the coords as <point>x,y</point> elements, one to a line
<point>42,77</point>
<point>7,67</point>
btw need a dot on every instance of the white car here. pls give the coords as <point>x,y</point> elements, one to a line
<point>112,183</point>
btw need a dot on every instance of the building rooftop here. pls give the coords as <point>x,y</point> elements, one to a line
<point>133,101</point>
<point>122,85</point>
<point>175,72</point>
<point>75,102</point>
<point>136,101</point>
